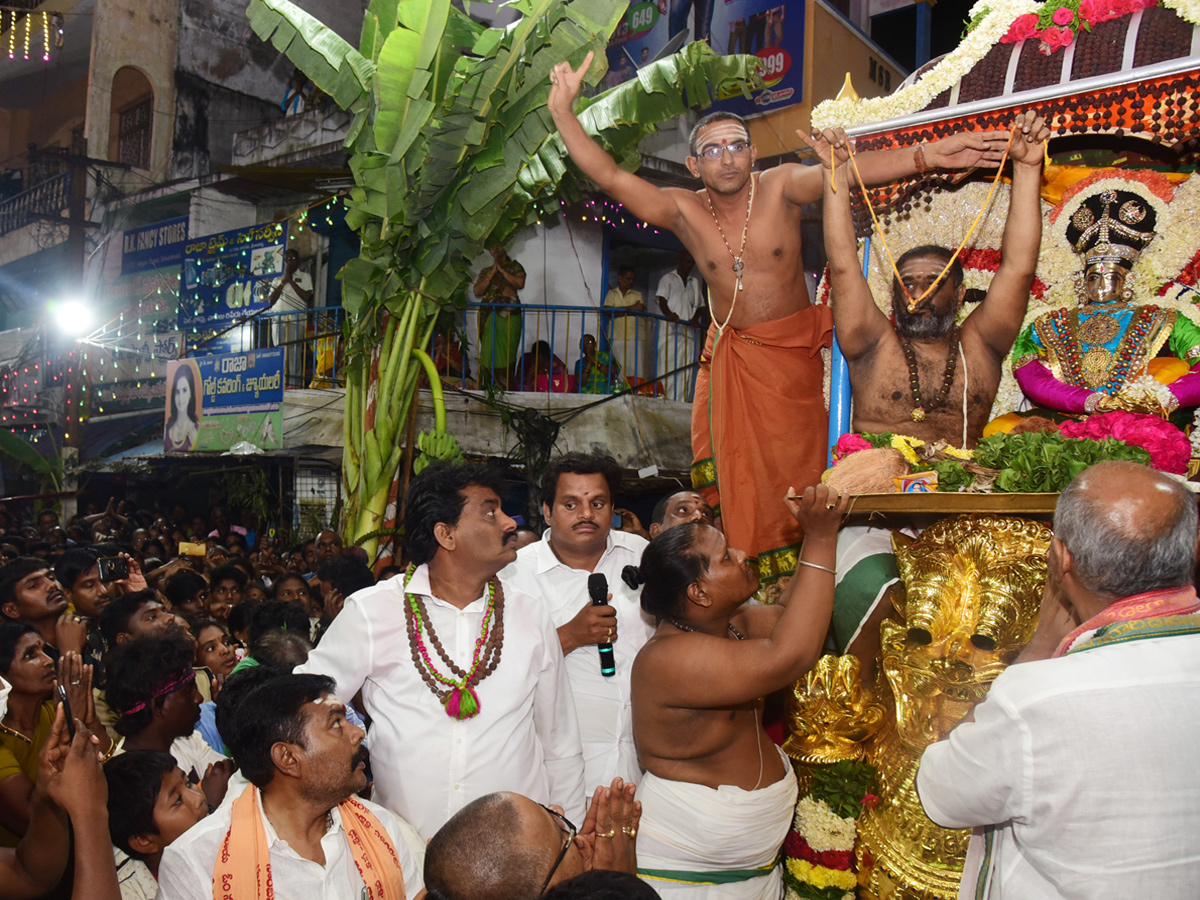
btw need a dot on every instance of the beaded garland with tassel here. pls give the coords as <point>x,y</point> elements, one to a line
<point>457,693</point>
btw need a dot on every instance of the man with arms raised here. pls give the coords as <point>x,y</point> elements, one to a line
<point>577,502</point>
<point>297,830</point>
<point>919,377</point>
<point>1078,769</point>
<point>759,418</point>
<point>462,676</point>
<point>927,376</point>
<point>718,796</point>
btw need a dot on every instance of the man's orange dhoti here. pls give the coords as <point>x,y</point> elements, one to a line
<point>759,424</point>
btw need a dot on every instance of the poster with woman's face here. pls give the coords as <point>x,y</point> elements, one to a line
<point>184,405</point>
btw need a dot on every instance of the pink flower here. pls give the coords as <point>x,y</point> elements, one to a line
<point>1087,10</point>
<point>849,443</point>
<point>1067,36</point>
<point>1144,4</point>
<point>1022,28</point>
<point>1051,39</point>
<point>1169,449</point>
<point>1063,16</point>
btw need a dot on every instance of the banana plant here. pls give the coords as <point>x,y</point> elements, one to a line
<point>453,150</point>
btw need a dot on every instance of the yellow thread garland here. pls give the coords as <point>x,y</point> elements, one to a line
<point>912,304</point>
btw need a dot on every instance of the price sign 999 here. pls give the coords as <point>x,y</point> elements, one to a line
<point>775,64</point>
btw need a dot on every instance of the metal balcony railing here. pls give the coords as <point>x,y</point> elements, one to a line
<point>47,198</point>
<point>555,349</point>
<point>569,349</point>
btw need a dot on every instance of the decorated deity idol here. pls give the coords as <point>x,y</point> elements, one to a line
<point>966,606</point>
<point>1096,357</point>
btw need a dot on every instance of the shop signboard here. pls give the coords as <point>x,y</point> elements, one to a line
<point>229,276</point>
<point>768,29</point>
<point>152,247</point>
<point>214,402</point>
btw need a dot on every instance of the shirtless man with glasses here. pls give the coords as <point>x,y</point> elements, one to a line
<point>762,381</point>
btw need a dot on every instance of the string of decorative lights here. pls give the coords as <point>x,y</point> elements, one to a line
<point>11,18</point>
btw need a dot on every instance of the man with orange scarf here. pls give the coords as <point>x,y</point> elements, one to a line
<point>1078,771</point>
<point>305,762</point>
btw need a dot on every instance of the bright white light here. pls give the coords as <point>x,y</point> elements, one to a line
<point>73,318</point>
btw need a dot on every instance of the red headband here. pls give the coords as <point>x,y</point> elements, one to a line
<point>170,686</point>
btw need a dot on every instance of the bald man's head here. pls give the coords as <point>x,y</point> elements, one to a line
<point>1128,529</point>
<point>500,847</point>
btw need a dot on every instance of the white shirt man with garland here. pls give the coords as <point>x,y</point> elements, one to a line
<point>577,502</point>
<point>1079,770</point>
<point>679,300</point>
<point>504,721</point>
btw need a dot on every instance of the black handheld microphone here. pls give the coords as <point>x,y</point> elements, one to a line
<point>598,591</point>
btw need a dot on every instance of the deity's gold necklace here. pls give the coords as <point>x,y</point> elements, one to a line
<point>738,264</point>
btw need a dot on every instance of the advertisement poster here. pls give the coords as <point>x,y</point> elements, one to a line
<point>229,276</point>
<point>214,402</point>
<point>762,28</point>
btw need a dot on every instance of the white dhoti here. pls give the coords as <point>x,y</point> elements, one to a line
<point>716,844</point>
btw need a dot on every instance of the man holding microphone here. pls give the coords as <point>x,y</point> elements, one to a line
<point>579,547</point>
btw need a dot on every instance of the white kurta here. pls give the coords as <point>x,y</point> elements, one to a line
<point>677,344</point>
<point>186,872</point>
<point>1085,768</point>
<point>603,704</point>
<point>427,765</point>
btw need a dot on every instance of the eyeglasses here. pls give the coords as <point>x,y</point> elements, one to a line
<point>570,831</point>
<point>737,148</point>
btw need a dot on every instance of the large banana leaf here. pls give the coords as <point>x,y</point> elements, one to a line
<point>452,151</point>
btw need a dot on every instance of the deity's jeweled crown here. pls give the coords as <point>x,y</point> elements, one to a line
<point>1111,226</point>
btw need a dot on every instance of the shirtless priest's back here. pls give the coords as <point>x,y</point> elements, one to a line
<point>718,796</point>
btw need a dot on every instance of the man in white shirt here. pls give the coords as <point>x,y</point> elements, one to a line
<point>1078,772</point>
<point>628,335</point>
<point>297,828</point>
<point>292,294</point>
<point>679,300</point>
<point>577,502</point>
<point>463,679</point>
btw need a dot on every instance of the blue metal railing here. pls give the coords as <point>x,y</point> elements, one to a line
<point>569,349</point>
<point>515,348</point>
<point>313,349</point>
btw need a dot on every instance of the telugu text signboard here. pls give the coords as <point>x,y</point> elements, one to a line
<point>229,276</point>
<point>214,402</point>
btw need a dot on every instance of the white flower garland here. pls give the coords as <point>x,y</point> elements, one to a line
<point>951,68</point>
<point>822,828</point>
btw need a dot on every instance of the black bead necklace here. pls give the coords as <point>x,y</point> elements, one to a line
<point>920,405</point>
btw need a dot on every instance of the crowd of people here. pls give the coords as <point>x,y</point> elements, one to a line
<point>226,696</point>
<point>191,711</point>
<point>439,731</point>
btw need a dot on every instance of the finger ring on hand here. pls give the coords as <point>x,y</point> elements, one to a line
<point>632,832</point>
<point>76,682</point>
<point>606,834</point>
